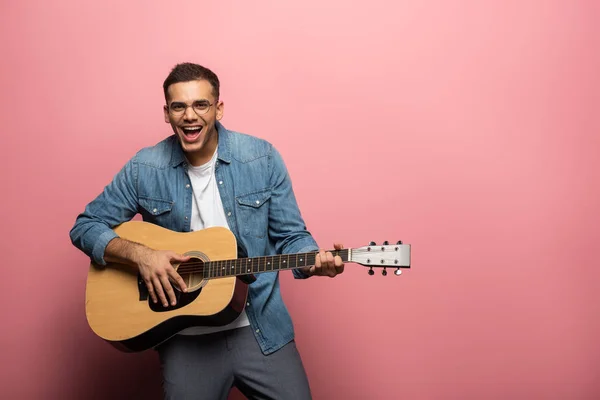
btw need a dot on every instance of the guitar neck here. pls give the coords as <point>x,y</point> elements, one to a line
<point>257,265</point>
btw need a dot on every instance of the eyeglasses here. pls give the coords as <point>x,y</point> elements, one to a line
<point>201,107</point>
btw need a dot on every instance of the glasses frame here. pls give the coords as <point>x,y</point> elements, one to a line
<point>182,113</point>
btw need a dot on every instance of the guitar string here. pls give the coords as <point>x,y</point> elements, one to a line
<point>263,258</point>
<point>239,260</point>
<point>343,252</point>
<point>238,267</point>
<point>213,266</point>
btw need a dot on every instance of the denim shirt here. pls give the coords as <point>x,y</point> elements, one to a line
<point>258,201</point>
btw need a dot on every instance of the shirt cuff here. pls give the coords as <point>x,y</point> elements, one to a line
<point>100,246</point>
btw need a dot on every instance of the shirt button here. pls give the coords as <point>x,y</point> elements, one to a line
<point>258,330</point>
<point>229,214</point>
<point>186,218</point>
<point>257,202</point>
<point>220,182</point>
<point>155,211</point>
<point>187,186</point>
<point>248,304</point>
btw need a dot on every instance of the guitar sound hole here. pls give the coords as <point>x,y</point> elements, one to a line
<point>192,273</point>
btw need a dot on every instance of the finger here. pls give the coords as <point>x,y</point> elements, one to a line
<point>168,288</point>
<point>174,275</point>
<point>321,263</point>
<point>150,288</point>
<point>159,291</point>
<point>317,261</point>
<point>328,266</point>
<point>338,246</point>
<point>339,265</point>
<point>330,261</point>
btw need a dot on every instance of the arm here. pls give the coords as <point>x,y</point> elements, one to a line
<point>116,204</point>
<point>287,226</point>
<point>93,234</point>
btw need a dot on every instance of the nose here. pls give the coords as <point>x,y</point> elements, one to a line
<point>190,114</point>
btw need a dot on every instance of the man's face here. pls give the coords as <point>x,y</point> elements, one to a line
<point>192,112</point>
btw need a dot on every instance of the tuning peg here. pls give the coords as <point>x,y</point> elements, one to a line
<point>384,272</point>
<point>386,243</point>
<point>371,272</point>
<point>399,242</point>
<point>372,244</point>
<point>397,272</point>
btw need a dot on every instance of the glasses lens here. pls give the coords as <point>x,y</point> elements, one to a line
<point>177,108</point>
<point>201,107</point>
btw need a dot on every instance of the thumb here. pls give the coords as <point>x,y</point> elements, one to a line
<point>179,257</point>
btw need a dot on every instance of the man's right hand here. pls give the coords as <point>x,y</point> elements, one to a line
<point>157,271</point>
<point>155,266</point>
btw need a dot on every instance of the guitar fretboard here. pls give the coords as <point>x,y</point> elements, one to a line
<point>256,265</point>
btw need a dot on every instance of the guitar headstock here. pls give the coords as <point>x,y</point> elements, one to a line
<point>386,256</point>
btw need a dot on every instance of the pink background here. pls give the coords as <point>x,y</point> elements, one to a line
<point>468,129</point>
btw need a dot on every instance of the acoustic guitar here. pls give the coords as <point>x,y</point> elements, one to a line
<point>120,311</point>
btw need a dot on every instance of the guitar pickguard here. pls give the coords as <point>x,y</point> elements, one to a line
<point>183,299</point>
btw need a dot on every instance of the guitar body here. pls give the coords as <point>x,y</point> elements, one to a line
<point>119,309</point>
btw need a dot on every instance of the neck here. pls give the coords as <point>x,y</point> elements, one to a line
<point>256,265</point>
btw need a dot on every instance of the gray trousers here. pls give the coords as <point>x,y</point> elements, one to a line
<point>208,366</point>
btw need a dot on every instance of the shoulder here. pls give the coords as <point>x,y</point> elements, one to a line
<point>159,155</point>
<point>245,147</point>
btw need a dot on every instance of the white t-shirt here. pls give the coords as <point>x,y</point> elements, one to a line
<point>207,211</point>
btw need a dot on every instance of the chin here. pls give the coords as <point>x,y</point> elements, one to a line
<point>191,147</point>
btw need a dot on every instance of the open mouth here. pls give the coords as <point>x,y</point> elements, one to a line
<point>191,133</point>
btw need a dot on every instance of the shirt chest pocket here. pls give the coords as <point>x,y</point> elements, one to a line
<point>253,213</point>
<point>157,211</point>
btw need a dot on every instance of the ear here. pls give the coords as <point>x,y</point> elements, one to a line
<point>166,111</point>
<point>220,110</point>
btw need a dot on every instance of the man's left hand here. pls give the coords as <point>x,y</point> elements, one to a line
<point>326,264</point>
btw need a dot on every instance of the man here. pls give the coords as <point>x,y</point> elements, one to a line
<point>205,175</point>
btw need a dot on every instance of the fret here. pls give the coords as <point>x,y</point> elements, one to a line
<point>243,266</point>
<point>302,258</point>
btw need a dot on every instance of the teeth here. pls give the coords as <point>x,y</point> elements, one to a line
<point>192,128</point>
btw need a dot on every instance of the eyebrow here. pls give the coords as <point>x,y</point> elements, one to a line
<point>195,101</point>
